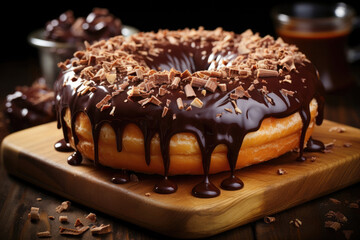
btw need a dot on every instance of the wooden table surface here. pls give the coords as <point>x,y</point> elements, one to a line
<point>17,196</point>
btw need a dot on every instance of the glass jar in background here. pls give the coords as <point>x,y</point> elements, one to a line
<point>52,52</point>
<point>321,32</point>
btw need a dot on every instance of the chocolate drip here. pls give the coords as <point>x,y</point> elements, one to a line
<point>305,117</point>
<point>75,158</point>
<point>121,177</point>
<point>205,189</point>
<point>165,186</point>
<point>268,99</point>
<point>63,146</point>
<point>232,183</point>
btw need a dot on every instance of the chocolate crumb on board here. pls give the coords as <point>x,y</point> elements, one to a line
<point>297,222</point>
<point>337,129</point>
<point>147,194</point>
<point>51,217</point>
<point>64,206</point>
<point>333,225</point>
<point>102,229</point>
<point>34,214</point>
<point>338,216</point>
<point>44,234</point>
<point>281,171</point>
<point>91,217</point>
<point>73,232</point>
<point>63,219</point>
<point>329,146</point>
<point>78,223</point>
<point>268,219</point>
<point>347,144</point>
<point>335,201</point>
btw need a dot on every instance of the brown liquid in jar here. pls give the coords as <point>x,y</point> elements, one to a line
<point>326,50</point>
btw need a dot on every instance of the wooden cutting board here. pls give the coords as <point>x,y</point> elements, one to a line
<point>30,155</point>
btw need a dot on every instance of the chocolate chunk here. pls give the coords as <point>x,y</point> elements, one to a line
<point>64,206</point>
<point>102,229</point>
<point>73,232</point>
<point>45,234</point>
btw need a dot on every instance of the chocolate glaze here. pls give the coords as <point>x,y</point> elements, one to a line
<point>210,131</point>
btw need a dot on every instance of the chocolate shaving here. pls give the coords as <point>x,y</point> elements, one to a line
<point>197,103</point>
<point>267,73</point>
<point>73,232</point>
<point>337,129</point>
<point>338,216</point>
<point>164,112</point>
<point>91,217</point>
<point>34,214</point>
<point>335,201</point>
<point>236,108</point>
<point>353,205</point>
<point>211,84</point>
<point>155,100</point>
<point>102,229</point>
<point>175,83</point>
<point>45,234</point>
<point>297,222</point>
<point>103,101</point>
<point>198,82</point>
<point>78,223</point>
<point>64,206</point>
<point>281,171</point>
<point>287,92</point>
<point>63,219</point>
<point>189,91</point>
<point>333,225</point>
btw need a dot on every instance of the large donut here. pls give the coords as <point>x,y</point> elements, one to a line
<point>188,101</point>
<point>274,138</point>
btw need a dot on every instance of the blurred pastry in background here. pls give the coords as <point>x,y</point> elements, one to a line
<point>29,106</point>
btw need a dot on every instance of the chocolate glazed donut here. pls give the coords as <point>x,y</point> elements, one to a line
<point>217,85</point>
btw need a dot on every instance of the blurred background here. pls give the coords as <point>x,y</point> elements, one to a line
<point>19,61</point>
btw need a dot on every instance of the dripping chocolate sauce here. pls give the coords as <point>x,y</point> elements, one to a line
<point>121,177</point>
<point>210,131</point>
<point>63,146</point>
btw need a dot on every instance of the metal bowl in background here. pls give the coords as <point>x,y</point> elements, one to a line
<point>51,52</point>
